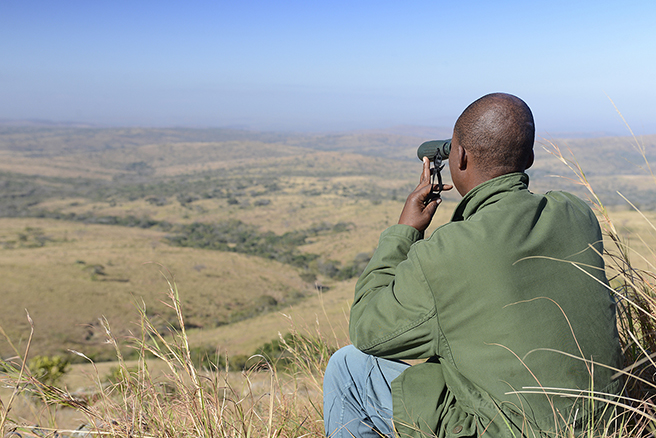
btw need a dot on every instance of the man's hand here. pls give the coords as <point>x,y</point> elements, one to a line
<point>415,213</point>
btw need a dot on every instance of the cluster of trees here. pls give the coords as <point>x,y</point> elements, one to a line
<point>89,218</point>
<point>237,236</point>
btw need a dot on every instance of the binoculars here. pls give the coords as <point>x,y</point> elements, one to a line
<point>436,151</point>
<point>433,148</point>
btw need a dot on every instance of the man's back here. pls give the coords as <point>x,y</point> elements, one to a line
<point>534,292</point>
<point>516,285</point>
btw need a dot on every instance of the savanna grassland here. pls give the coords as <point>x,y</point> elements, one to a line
<point>259,231</point>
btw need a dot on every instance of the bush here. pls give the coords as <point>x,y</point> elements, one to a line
<point>49,369</point>
<point>118,374</point>
<point>293,351</point>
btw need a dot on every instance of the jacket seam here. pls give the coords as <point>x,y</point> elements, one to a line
<point>400,331</point>
<point>437,316</point>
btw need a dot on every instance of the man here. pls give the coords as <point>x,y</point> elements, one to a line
<point>508,302</point>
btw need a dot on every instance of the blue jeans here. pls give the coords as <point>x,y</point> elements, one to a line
<point>357,398</point>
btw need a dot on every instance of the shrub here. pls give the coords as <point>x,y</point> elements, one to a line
<point>293,349</point>
<point>49,369</point>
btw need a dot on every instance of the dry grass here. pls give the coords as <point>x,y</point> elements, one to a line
<point>183,400</point>
<point>59,285</point>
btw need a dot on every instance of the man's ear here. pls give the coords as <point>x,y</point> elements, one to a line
<point>531,158</point>
<point>462,158</point>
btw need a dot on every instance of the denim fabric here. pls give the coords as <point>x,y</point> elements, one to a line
<point>357,399</point>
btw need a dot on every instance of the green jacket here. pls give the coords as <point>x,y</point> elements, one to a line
<point>505,301</point>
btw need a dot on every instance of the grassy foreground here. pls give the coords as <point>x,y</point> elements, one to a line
<point>165,393</point>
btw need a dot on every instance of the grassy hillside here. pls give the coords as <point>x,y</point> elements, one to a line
<point>249,224</point>
<point>68,275</point>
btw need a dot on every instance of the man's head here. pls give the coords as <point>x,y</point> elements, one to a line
<point>492,137</point>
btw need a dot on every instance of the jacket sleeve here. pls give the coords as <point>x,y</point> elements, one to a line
<point>393,313</point>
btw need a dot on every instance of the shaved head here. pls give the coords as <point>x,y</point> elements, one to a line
<point>498,132</point>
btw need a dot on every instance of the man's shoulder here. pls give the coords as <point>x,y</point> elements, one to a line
<point>553,198</point>
<point>570,200</point>
<point>513,213</point>
<point>565,195</point>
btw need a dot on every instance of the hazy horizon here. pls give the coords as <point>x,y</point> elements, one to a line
<point>422,131</point>
<point>326,67</point>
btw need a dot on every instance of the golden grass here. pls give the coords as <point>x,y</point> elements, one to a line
<point>329,309</point>
<point>184,401</point>
<point>58,283</point>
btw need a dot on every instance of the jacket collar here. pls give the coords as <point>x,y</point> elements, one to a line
<point>488,193</point>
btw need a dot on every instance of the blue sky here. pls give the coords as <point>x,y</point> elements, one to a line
<point>319,65</point>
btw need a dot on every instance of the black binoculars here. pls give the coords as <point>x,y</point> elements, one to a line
<point>436,151</point>
<point>432,148</point>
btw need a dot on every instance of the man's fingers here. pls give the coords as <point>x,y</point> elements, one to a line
<point>417,212</point>
<point>433,204</point>
<point>425,174</point>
